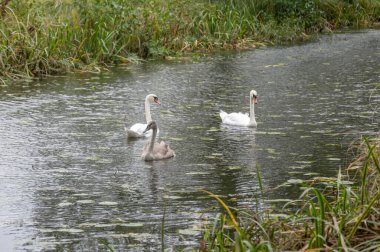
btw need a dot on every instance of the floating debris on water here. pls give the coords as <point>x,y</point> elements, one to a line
<point>213,129</point>
<point>276,65</point>
<point>85,201</point>
<point>277,200</point>
<point>216,154</point>
<point>135,224</point>
<point>65,204</point>
<point>305,162</point>
<point>207,139</point>
<point>172,197</point>
<point>305,137</point>
<point>234,167</point>
<point>333,159</point>
<point>69,230</point>
<point>311,174</point>
<point>197,173</point>
<point>108,203</point>
<point>294,167</point>
<point>295,181</point>
<point>213,157</point>
<point>295,172</point>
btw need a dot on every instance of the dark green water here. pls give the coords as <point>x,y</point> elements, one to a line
<point>69,177</point>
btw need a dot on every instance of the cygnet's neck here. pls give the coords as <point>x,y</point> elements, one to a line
<point>153,139</point>
<point>148,117</point>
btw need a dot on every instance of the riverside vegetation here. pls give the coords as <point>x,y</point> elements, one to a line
<point>43,37</point>
<point>341,214</point>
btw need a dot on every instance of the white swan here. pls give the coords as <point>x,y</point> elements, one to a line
<point>155,150</point>
<point>138,129</point>
<point>240,119</point>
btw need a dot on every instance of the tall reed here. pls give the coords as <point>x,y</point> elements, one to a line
<point>341,214</point>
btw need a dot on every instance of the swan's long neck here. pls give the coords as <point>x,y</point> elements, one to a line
<point>148,117</point>
<point>153,139</point>
<point>252,119</point>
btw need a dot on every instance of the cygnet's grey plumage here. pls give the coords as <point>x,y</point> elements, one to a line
<point>155,150</point>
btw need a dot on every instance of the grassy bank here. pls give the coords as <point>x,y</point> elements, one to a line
<point>341,214</point>
<point>43,37</point>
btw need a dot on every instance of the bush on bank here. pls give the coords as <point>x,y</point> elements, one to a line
<point>41,37</point>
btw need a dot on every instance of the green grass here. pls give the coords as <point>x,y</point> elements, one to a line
<point>46,37</point>
<point>341,214</point>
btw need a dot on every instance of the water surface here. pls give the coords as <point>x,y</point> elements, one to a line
<point>70,177</point>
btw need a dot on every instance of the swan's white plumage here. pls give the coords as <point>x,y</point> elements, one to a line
<point>138,129</point>
<point>240,119</point>
<point>237,119</point>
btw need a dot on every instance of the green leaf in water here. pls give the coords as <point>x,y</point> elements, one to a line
<point>213,157</point>
<point>217,154</point>
<point>207,139</point>
<point>70,230</point>
<point>172,197</point>
<point>295,172</point>
<point>304,162</point>
<point>304,137</point>
<point>276,65</point>
<point>298,167</point>
<point>135,224</point>
<point>108,203</point>
<point>85,201</point>
<point>295,181</point>
<point>333,159</point>
<point>198,173</point>
<point>311,174</point>
<point>93,158</point>
<point>234,167</point>
<point>213,129</point>
<point>65,204</point>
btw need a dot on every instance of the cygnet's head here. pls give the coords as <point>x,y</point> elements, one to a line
<point>151,125</point>
<point>152,98</point>
<point>253,96</point>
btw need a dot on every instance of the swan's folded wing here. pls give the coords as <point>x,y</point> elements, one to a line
<point>137,130</point>
<point>162,150</point>
<point>222,114</point>
<point>133,134</point>
<point>236,119</point>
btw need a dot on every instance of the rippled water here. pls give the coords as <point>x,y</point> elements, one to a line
<point>70,178</point>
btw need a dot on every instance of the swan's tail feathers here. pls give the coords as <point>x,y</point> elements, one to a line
<point>133,134</point>
<point>222,114</point>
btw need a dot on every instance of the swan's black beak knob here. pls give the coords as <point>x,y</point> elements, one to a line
<point>254,99</point>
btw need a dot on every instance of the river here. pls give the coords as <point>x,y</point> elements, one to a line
<point>71,180</point>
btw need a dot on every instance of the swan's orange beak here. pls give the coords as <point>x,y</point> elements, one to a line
<point>157,101</point>
<point>254,100</point>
